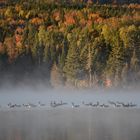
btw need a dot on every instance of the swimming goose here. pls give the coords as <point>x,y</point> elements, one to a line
<point>75,106</point>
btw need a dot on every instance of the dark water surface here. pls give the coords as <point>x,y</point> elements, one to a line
<point>70,124</point>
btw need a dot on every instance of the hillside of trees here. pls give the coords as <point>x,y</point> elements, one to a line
<point>74,1</point>
<point>70,44</point>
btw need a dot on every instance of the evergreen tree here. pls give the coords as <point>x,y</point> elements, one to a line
<point>30,35</point>
<point>73,69</point>
<point>89,64</point>
<point>100,56</point>
<point>63,54</point>
<point>116,62</point>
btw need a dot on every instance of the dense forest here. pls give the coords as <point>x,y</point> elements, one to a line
<point>82,44</point>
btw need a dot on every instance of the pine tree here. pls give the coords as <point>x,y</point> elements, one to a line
<point>73,68</point>
<point>116,62</point>
<point>63,55</point>
<point>30,34</point>
<point>89,65</point>
<point>41,34</point>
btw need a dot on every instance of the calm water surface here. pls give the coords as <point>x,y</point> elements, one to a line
<point>70,124</point>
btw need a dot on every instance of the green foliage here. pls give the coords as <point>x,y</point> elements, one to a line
<point>9,12</point>
<point>73,68</point>
<point>63,54</point>
<point>116,62</point>
<point>100,56</point>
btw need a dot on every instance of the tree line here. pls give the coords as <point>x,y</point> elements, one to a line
<point>85,46</point>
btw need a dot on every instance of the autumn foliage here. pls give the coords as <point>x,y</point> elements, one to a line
<point>78,43</point>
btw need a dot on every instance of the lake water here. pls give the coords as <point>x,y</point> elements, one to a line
<point>67,123</point>
<point>70,124</point>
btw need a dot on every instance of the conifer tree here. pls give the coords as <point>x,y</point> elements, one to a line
<point>63,54</point>
<point>116,61</point>
<point>73,68</point>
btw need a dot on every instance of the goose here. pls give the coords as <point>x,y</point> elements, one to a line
<point>32,105</point>
<point>12,106</point>
<point>104,105</point>
<point>125,105</point>
<point>86,104</point>
<point>132,105</point>
<point>122,104</point>
<point>53,104</point>
<point>114,104</point>
<point>26,106</point>
<point>75,106</point>
<point>101,105</point>
<point>16,105</point>
<point>96,105</point>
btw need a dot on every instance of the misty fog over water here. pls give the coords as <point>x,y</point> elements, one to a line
<point>26,94</point>
<point>65,122</point>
